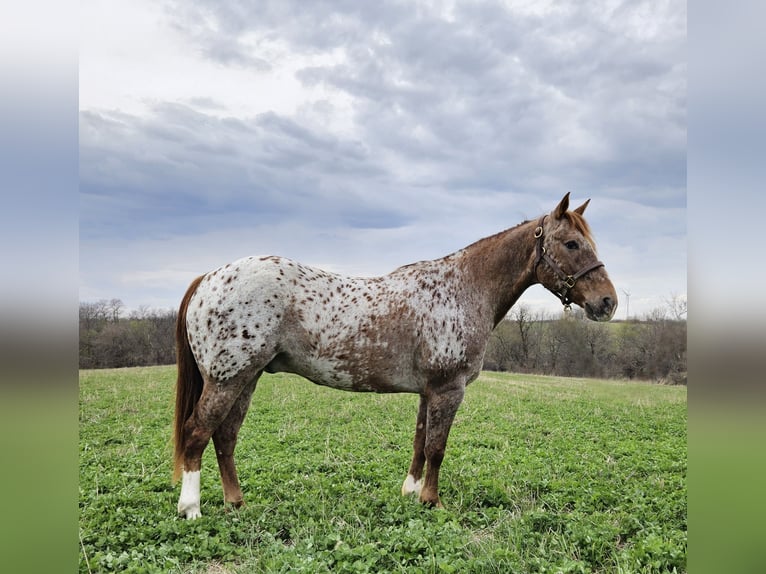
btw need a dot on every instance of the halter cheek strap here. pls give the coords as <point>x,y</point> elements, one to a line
<point>568,280</point>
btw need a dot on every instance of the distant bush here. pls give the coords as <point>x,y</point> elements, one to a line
<point>144,338</point>
<point>653,348</point>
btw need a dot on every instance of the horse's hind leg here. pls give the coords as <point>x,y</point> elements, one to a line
<point>412,483</point>
<point>210,411</point>
<point>225,440</point>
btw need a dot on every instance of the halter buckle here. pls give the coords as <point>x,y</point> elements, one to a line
<point>569,281</point>
<point>539,232</point>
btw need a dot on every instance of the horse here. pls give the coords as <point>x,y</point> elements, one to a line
<point>421,329</point>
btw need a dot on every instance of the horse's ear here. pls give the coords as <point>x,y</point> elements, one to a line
<point>562,207</point>
<point>581,209</point>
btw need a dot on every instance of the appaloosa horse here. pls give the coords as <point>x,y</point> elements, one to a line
<point>421,329</point>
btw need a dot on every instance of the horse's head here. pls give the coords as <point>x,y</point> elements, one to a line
<point>566,262</point>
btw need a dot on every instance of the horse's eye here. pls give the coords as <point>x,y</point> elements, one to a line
<point>572,245</point>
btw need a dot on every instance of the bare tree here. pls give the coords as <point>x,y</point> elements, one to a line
<point>676,305</point>
<point>523,318</point>
<point>499,355</point>
<point>114,308</point>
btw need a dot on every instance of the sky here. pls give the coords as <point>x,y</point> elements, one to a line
<point>362,136</point>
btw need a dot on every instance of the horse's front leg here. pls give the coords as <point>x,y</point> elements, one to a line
<point>412,483</point>
<point>441,408</point>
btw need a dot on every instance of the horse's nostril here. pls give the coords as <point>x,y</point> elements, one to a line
<point>608,302</point>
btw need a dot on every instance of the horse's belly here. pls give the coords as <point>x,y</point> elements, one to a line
<point>349,375</point>
<point>374,383</point>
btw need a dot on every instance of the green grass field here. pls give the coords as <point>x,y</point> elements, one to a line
<point>542,474</point>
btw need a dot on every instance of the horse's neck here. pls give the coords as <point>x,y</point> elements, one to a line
<point>502,267</point>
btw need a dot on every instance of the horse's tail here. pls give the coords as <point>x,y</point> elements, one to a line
<point>189,382</point>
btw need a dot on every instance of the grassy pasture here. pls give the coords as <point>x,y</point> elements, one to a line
<point>542,474</point>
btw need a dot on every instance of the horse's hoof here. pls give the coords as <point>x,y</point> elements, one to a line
<point>431,502</point>
<point>411,486</point>
<point>190,513</point>
<point>236,505</point>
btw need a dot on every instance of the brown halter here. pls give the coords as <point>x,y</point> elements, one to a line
<point>569,280</point>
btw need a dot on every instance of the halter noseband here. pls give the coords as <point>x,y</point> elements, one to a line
<point>569,280</point>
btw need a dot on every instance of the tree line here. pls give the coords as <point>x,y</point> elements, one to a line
<point>650,348</point>
<point>142,338</point>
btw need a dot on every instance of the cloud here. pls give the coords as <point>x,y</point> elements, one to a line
<point>321,128</point>
<point>180,167</point>
<point>595,91</point>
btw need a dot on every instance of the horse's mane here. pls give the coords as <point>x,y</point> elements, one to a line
<point>575,219</point>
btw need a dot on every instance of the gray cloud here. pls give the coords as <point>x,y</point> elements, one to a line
<point>456,123</point>
<point>594,90</point>
<point>179,170</point>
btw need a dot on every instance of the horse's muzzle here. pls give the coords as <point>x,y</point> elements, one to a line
<point>602,310</point>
